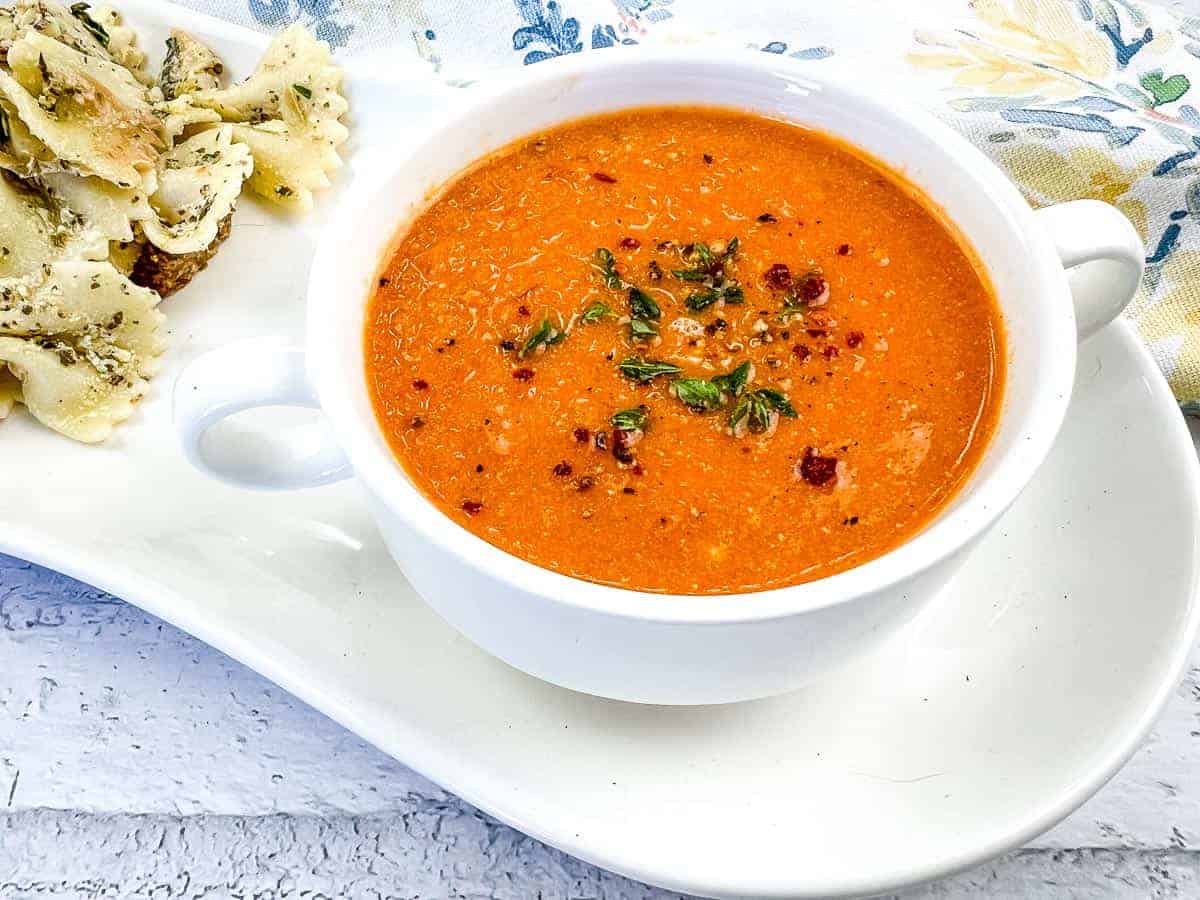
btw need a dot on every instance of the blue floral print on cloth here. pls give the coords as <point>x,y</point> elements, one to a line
<point>1073,98</point>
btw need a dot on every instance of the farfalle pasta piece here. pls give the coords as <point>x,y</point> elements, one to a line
<point>122,42</point>
<point>294,60</point>
<point>188,67</point>
<point>99,32</point>
<point>10,392</point>
<point>180,114</point>
<point>290,162</point>
<point>198,186</point>
<point>92,113</point>
<point>287,114</point>
<point>20,152</point>
<point>9,30</point>
<point>35,229</point>
<point>82,339</point>
<point>103,208</point>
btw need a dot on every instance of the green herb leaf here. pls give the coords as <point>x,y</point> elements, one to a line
<point>706,265</point>
<point>697,393</point>
<point>641,330</point>
<point>730,293</point>
<point>755,409</point>
<point>643,305</point>
<point>702,254</point>
<point>606,264</point>
<point>545,336</point>
<point>733,383</point>
<point>777,402</point>
<point>635,419</point>
<point>94,28</point>
<point>595,313</point>
<point>303,91</point>
<point>644,371</point>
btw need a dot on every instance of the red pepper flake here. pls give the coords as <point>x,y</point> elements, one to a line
<point>714,326</point>
<point>417,422</point>
<point>471,507</point>
<point>623,440</point>
<point>523,310</point>
<point>628,490</point>
<point>708,159</point>
<point>384,282</point>
<point>854,339</point>
<point>629,243</point>
<point>816,332</point>
<point>563,469</point>
<point>802,351</point>
<point>844,250</point>
<point>420,384</point>
<point>831,351</point>
<point>585,483</point>
<point>604,177</point>
<point>478,468</point>
<point>814,289</point>
<point>779,277</point>
<point>582,435</point>
<point>638,470</point>
<point>508,346</point>
<point>817,470</point>
<point>767,219</point>
<point>523,374</point>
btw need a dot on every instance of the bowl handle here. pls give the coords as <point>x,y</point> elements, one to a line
<point>1103,256</point>
<point>248,375</point>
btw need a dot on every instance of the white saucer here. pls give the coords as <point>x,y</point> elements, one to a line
<point>999,711</point>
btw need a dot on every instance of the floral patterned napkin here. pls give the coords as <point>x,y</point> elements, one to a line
<point>1073,98</point>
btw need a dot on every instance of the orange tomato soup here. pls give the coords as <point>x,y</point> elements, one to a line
<point>685,350</point>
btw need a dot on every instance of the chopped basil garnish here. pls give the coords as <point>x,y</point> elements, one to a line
<point>641,330</point>
<point>643,305</point>
<point>545,336</point>
<point>646,370</point>
<point>703,396</point>
<point>706,265</point>
<point>595,313</point>
<point>697,393</point>
<point>94,28</point>
<point>734,382</point>
<point>730,292</point>
<point>631,419</point>
<point>303,91</point>
<point>755,409</point>
<point>606,265</point>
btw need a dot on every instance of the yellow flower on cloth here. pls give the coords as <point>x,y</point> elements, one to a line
<point>1168,316</point>
<point>1093,100</point>
<point>1029,45</point>
<point>1047,176</point>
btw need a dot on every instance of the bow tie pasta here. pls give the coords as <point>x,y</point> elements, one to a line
<point>117,187</point>
<point>82,339</point>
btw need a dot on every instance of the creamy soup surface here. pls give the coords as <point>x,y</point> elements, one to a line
<point>685,350</point>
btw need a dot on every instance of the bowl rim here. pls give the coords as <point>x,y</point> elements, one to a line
<point>951,532</point>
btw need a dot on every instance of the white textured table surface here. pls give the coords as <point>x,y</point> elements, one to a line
<point>135,761</point>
